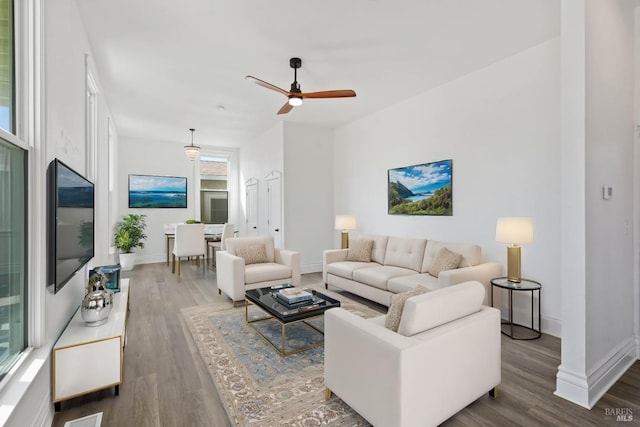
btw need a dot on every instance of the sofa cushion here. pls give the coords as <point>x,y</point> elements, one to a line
<point>264,272</point>
<point>346,268</point>
<point>445,260</point>
<point>405,253</point>
<point>360,250</point>
<point>379,246</point>
<point>252,254</point>
<point>233,243</point>
<point>378,276</point>
<point>441,306</point>
<point>397,305</point>
<point>407,283</point>
<point>470,253</point>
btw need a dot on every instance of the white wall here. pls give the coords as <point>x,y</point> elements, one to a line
<point>501,127</point>
<point>145,157</point>
<point>303,154</point>
<point>166,158</point>
<point>609,161</point>
<point>308,184</point>
<point>258,158</point>
<point>598,131</point>
<point>63,121</point>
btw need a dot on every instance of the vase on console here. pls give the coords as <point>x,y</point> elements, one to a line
<point>98,301</point>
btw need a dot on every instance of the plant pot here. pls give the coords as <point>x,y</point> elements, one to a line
<point>127,261</point>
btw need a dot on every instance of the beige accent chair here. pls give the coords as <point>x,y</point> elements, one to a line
<point>235,276</point>
<point>445,355</point>
<point>189,242</point>
<point>227,231</point>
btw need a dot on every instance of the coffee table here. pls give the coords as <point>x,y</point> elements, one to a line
<point>285,314</point>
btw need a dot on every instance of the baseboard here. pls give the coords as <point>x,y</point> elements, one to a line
<point>151,259</point>
<point>311,268</point>
<point>522,315</point>
<point>586,390</point>
<point>552,326</point>
<point>572,386</point>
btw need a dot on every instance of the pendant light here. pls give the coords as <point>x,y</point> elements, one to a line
<point>192,151</point>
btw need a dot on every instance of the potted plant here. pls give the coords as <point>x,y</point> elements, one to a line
<point>129,234</point>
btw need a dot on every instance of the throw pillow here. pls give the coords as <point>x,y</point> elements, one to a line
<point>397,306</point>
<point>444,260</point>
<point>360,250</point>
<point>252,254</point>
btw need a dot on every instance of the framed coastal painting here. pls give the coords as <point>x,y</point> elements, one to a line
<point>151,191</point>
<point>424,189</point>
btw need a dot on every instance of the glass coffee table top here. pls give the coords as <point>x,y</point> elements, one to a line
<point>266,299</point>
<point>287,314</point>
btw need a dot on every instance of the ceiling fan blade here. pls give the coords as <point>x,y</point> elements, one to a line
<point>267,85</point>
<point>347,93</point>
<point>285,108</point>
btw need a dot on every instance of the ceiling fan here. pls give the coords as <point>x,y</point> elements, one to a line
<point>295,95</point>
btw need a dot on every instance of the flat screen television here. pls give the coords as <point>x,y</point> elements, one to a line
<point>71,223</point>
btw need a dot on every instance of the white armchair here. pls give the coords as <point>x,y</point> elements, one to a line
<point>254,262</point>
<point>445,355</point>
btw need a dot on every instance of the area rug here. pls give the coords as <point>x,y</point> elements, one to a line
<point>257,386</point>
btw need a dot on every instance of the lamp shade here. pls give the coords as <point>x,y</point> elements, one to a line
<point>514,230</point>
<point>192,151</point>
<point>345,222</point>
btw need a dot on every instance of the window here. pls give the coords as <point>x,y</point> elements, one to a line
<point>13,207</point>
<point>214,194</point>
<point>13,248</point>
<point>7,86</point>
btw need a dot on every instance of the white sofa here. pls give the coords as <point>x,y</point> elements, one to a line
<point>445,355</point>
<point>399,264</point>
<point>234,276</point>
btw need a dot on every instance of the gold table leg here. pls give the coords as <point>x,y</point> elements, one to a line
<point>282,350</point>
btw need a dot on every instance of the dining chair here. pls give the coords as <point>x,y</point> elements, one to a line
<point>189,242</point>
<point>228,230</point>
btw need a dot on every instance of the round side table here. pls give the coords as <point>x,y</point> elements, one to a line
<point>511,329</point>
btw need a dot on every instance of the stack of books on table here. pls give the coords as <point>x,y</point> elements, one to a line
<point>294,295</point>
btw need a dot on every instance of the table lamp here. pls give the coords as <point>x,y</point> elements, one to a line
<point>514,231</point>
<point>345,223</point>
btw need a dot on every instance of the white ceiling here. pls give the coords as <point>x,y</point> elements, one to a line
<point>167,65</point>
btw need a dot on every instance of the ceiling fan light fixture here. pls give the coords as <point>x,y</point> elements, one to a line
<point>192,151</point>
<point>295,101</point>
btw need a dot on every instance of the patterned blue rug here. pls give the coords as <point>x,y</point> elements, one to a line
<point>255,353</point>
<point>257,385</point>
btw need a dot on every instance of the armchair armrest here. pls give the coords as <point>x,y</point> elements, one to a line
<point>230,275</point>
<point>332,255</point>
<point>482,273</point>
<point>292,260</point>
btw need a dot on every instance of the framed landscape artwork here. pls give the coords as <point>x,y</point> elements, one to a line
<point>150,191</point>
<point>423,189</point>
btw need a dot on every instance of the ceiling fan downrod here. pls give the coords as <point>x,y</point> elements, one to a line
<point>295,63</point>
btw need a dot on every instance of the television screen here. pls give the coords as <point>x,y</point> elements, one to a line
<point>71,223</point>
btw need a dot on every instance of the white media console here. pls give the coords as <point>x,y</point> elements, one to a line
<point>88,359</point>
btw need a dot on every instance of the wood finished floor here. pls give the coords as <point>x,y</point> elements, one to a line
<point>167,384</point>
